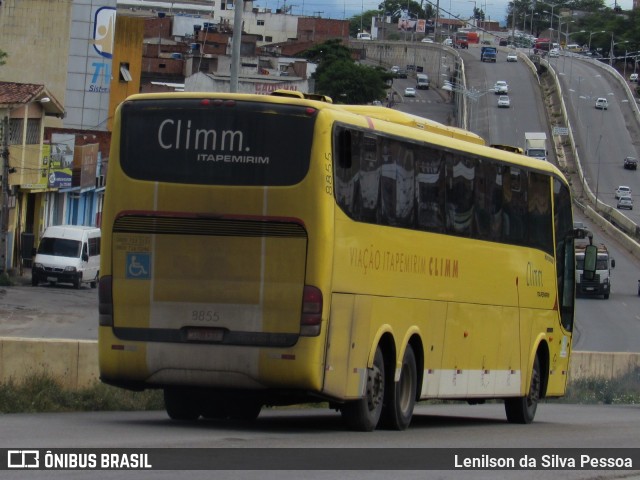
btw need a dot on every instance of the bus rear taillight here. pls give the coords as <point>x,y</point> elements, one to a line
<point>311,312</point>
<point>105,301</point>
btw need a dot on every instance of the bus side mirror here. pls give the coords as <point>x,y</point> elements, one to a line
<point>590,259</point>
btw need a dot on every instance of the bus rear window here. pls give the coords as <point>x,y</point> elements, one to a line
<point>216,142</point>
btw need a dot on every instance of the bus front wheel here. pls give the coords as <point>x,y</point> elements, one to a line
<point>523,409</point>
<point>400,397</point>
<point>181,404</point>
<point>364,414</point>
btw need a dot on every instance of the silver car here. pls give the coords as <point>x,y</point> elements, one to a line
<point>625,202</point>
<point>503,101</point>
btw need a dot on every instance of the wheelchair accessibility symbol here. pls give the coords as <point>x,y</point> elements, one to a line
<point>138,266</point>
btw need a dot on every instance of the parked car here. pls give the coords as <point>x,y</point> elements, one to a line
<point>503,101</point>
<point>623,191</point>
<point>512,57</point>
<point>631,163</point>
<point>602,103</point>
<point>501,87</point>
<point>633,77</point>
<point>409,92</point>
<point>625,202</point>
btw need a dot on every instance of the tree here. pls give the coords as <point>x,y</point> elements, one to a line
<point>339,77</point>
<point>364,21</point>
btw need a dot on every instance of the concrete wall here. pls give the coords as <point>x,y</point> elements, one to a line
<point>436,60</point>
<point>75,362</point>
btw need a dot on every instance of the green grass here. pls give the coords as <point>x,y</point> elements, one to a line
<point>41,393</point>
<point>622,390</point>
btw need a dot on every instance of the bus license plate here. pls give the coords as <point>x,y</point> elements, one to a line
<point>205,334</point>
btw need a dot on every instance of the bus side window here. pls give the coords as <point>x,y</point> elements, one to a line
<point>344,149</point>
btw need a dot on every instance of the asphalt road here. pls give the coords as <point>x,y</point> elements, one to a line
<point>438,429</point>
<point>48,311</point>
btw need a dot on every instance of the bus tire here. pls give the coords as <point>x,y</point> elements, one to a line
<point>181,404</point>
<point>247,410</point>
<point>363,415</point>
<point>400,397</point>
<point>523,409</point>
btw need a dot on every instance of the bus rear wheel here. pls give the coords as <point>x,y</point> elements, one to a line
<point>364,414</point>
<point>400,397</point>
<point>181,404</point>
<point>523,409</point>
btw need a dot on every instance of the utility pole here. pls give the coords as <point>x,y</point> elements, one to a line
<point>4,216</point>
<point>236,42</point>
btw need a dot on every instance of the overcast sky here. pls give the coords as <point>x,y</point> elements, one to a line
<point>344,9</point>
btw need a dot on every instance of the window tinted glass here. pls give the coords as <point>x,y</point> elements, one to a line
<point>216,143</point>
<point>60,247</point>
<point>392,181</point>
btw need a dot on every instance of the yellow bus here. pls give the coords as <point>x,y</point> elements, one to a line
<point>276,250</point>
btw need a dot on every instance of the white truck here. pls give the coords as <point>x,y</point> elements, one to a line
<point>600,282</point>
<point>535,145</point>
<point>422,81</point>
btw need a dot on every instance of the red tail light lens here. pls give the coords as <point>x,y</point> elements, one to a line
<point>105,301</point>
<point>311,312</point>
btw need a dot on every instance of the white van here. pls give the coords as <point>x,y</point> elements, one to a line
<point>68,254</point>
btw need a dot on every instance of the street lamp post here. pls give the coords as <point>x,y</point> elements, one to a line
<point>552,15</point>
<point>552,5</point>
<point>571,62</point>
<point>566,35</point>
<point>591,34</point>
<point>475,20</point>
<point>613,44</point>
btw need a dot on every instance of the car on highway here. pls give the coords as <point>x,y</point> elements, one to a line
<point>633,77</point>
<point>448,42</point>
<point>501,87</point>
<point>631,163</point>
<point>625,202</point>
<point>426,40</point>
<point>623,191</point>
<point>503,101</point>
<point>512,57</point>
<point>402,73</point>
<point>602,103</point>
<point>409,92</point>
<point>394,69</point>
<point>554,53</point>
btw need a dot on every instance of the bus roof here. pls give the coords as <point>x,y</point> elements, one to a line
<point>407,119</point>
